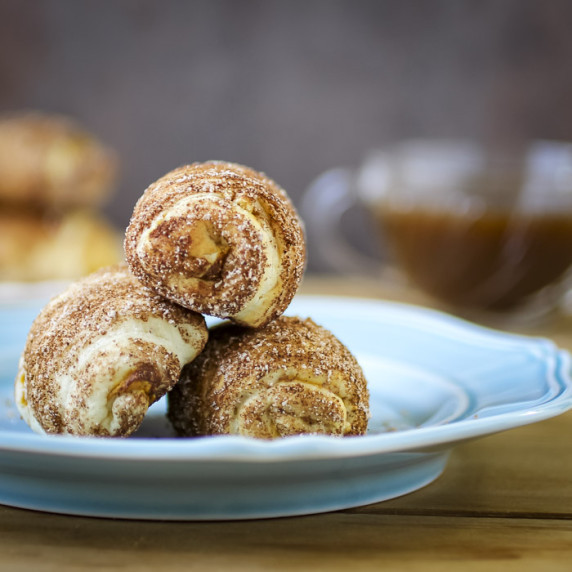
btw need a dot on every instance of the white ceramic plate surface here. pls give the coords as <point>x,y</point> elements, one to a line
<point>434,381</point>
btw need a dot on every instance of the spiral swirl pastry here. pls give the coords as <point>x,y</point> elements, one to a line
<point>291,377</point>
<point>51,161</point>
<point>99,354</point>
<point>220,239</point>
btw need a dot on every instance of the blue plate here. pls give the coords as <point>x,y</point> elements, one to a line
<point>434,381</point>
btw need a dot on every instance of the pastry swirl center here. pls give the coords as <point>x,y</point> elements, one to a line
<point>292,408</point>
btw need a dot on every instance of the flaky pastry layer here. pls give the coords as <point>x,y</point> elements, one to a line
<point>291,377</point>
<point>99,354</point>
<point>220,239</point>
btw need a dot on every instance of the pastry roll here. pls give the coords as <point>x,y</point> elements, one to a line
<point>50,161</point>
<point>220,239</point>
<point>291,377</point>
<point>101,353</point>
<point>55,246</point>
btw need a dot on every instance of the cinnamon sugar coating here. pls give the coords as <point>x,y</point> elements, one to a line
<point>220,239</point>
<point>291,377</point>
<point>99,354</point>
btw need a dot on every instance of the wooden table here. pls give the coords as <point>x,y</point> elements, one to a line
<point>503,503</point>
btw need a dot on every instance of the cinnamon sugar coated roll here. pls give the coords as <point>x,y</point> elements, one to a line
<point>291,377</point>
<point>99,354</point>
<point>220,239</point>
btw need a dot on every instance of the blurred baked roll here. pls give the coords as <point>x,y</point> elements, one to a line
<point>218,238</point>
<point>291,377</point>
<point>65,246</point>
<point>50,161</point>
<point>101,353</point>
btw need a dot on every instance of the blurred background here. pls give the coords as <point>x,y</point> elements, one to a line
<point>289,87</point>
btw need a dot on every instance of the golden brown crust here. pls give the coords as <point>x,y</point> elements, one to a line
<point>290,377</point>
<point>218,238</point>
<point>101,353</point>
<point>50,161</point>
<point>55,246</point>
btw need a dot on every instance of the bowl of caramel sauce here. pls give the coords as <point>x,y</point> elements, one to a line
<point>481,229</point>
<point>478,228</point>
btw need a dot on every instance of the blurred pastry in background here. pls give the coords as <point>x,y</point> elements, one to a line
<point>40,246</point>
<point>50,161</point>
<point>54,177</point>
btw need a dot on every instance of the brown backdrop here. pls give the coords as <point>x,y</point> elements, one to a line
<point>290,87</point>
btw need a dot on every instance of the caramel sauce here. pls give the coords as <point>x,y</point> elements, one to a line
<point>493,260</point>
